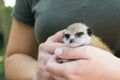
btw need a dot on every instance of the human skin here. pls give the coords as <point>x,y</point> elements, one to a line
<point>45,53</point>
<point>20,60</point>
<point>21,63</point>
<point>21,54</point>
<point>90,60</point>
<point>91,64</point>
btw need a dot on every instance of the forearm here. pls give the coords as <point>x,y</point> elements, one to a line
<point>20,67</point>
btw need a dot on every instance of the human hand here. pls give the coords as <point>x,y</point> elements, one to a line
<point>46,50</point>
<point>91,64</point>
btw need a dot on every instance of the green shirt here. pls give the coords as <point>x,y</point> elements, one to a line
<point>50,16</point>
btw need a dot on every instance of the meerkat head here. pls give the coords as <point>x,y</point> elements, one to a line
<point>77,34</point>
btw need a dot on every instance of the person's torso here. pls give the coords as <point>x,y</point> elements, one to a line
<point>103,16</point>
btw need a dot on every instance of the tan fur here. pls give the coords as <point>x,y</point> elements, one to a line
<point>97,42</point>
<point>86,38</point>
<point>73,28</point>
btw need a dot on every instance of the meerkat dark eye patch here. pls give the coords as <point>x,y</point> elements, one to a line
<point>66,36</point>
<point>79,34</point>
<point>89,31</point>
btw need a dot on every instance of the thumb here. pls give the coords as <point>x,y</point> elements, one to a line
<point>84,52</point>
<point>56,37</point>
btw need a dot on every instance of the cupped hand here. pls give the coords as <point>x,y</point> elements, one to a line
<point>46,50</point>
<point>90,63</point>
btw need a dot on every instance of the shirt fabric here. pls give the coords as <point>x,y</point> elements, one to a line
<point>50,16</point>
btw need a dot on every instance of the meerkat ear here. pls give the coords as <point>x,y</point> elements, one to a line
<point>89,31</point>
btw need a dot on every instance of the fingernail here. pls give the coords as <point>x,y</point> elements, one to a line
<point>58,51</point>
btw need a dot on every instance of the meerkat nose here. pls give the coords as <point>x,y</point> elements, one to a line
<point>72,40</point>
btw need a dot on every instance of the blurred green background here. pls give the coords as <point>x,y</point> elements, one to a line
<point>5,24</point>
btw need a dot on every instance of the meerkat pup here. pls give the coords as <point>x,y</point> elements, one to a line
<point>79,34</point>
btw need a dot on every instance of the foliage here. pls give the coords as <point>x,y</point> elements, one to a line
<point>5,23</point>
<point>5,20</point>
<point>2,51</point>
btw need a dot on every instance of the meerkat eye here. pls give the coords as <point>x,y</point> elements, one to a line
<point>79,34</point>
<point>66,36</point>
<point>89,31</point>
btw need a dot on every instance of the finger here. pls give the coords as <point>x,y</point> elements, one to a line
<point>58,37</point>
<point>84,52</point>
<point>50,47</point>
<point>42,73</point>
<point>43,57</point>
<point>62,70</point>
<point>55,68</point>
<point>42,60</point>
